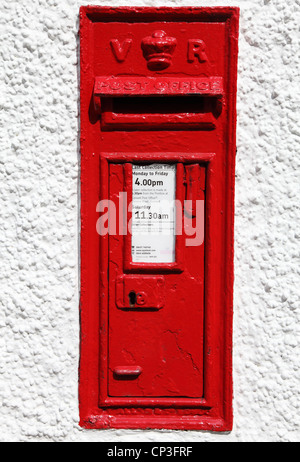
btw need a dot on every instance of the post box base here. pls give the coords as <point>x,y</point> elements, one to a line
<point>156,423</point>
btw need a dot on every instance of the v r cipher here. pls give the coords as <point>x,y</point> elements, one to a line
<point>156,451</point>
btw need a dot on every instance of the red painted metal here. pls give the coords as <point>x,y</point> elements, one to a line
<point>157,86</point>
<point>153,86</point>
<point>148,291</point>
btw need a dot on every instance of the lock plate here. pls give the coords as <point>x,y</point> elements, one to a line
<point>140,292</point>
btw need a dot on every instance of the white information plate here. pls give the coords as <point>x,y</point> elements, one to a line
<point>153,213</point>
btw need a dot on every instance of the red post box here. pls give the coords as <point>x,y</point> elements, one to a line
<point>157,90</point>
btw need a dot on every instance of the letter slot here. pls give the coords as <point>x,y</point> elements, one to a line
<point>169,104</point>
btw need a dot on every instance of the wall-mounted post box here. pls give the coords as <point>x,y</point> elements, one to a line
<point>157,90</point>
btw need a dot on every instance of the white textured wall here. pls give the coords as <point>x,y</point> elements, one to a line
<point>39,271</point>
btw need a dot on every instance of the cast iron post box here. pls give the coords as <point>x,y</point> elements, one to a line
<point>158,116</point>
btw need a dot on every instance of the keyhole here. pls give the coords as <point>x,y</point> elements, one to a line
<point>132,298</point>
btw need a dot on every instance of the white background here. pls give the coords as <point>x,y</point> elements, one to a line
<point>39,242</point>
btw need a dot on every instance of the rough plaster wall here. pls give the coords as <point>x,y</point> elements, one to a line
<point>39,168</point>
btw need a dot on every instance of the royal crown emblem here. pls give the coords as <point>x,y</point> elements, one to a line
<point>158,50</point>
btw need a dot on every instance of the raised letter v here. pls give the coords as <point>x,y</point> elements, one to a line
<point>120,51</point>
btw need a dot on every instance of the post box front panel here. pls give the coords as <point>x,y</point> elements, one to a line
<point>156,327</point>
<point>158,135</point>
